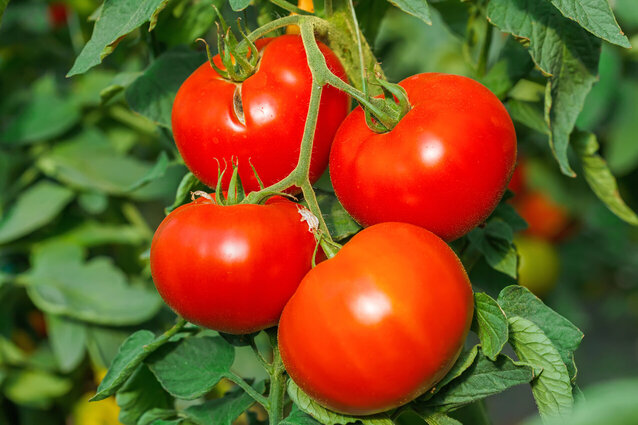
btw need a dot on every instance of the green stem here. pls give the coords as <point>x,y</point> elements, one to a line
<point>353,12</point>
<point>270,27</point>
<point>485,50</point>
<point>327,7</point>
<point>246,387</point>
<point>179,324</point>
<point>290,7</point>
<point>278,378</point>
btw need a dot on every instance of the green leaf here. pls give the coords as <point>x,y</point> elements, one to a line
<point>239,5</point>
<point>465,360</point>
<point>513,65</point>
<point>153,92</point>
<point>190,368</point>
<point>596,17</point>
<point>552,389</point>
<point>183,21</point>
<point>517,300</point>
<point>441,419</point>
<point>68,341</point>
<point>117,19</point>
<point>340,224</point>
<point>90,162</point>
<point>140,394</point>
<point>34,208</point>
<point>298,417</point>
<point>95,291</point>
<point>158,170</point>
<point>482,379</point>
<point>189,183</point>
<point>490,324</point>
<point>418,8</point>
<point>328,417</point>
<point>45,117</point>
<point>35,388</point>
<point>609,403</point>
<point>528,114</point>
<point>563,51</point>
<point>222,411</point>
<point>103,343</point>
<point>152,416</point>
<point>599,177</point>
<point>495,242</point>
<point>120,82</point>
<point>94,233</point>
<point>130,355</point>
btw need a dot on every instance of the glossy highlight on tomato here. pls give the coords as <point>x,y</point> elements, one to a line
<point>378,324</point>
<point>443,167</point>
<point>261,120</point>
<point>231,268</point>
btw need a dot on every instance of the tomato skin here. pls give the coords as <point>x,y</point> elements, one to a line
<point>231,268</point>
<point>275,103</point>
<point>538,264</point>
<point>443,167</point>
<point>546,219</point>
<point>378,324</point>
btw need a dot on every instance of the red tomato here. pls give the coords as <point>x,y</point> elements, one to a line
<point>443,167</point>
<point>58,14</point>
<point>231,268</point>
<point>546,219</point>
<point>378,324</point>
<point>275,103</point>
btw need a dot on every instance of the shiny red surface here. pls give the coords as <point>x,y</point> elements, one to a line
<point>444,166</point>
<point>231,268</point>
<point>275,102</point>
<point>378,324</point>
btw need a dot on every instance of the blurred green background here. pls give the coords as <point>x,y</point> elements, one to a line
<point>84,181</point>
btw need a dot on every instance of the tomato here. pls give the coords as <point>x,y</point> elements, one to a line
<point>231,268</point>
<point>379,323</point>
<point>444,166</point>
<point>58,14</point>
<point>546,218</point>
<point>208,128</point>
<point>538,264</point>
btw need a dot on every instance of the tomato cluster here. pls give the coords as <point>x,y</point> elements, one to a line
<point>395,303</point>
<point>548,222</point>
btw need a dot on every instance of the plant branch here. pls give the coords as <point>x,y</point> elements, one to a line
<point>353,12</point>
<point>278,380</point>
<point>179,324</point>
<point>290,7</point>
<point>248,388</point>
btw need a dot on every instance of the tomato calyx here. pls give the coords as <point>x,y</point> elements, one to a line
<point>394,105</point>
<point>239,59</point>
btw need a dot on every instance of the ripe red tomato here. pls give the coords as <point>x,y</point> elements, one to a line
<point>231,268</point>
<point>546,219</point>
<point>443,167</point>
<point>378,324</point>
<point>58,14</point>
<point>275,103</point>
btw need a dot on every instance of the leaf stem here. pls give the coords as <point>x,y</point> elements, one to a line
<point>290,7</point>
<point>248,388</point>
<point>353,12</point>
<point>179,324</point>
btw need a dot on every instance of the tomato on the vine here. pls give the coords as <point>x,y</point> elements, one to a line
<point>545,218</point>
<point>259,121</point>
<point>378,324</point>
<point>231,268</point>
<point>444,166</point>
<point>538,264</point>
